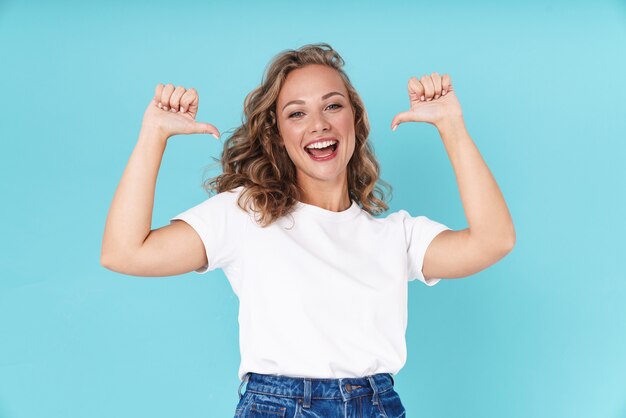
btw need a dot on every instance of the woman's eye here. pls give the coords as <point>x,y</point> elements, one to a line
<point>294,114</point>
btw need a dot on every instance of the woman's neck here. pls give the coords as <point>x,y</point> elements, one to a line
<point>334,198</point>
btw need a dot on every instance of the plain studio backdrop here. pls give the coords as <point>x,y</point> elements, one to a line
<point>540,334</point>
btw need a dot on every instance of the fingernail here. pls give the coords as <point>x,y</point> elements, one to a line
<point>160,105</point>
<point>181,110</point>
<point>422,98</point>
<point>394,127</point>
<point>173,110</point>
<point>215,136</point>
<point>443,92</point>
<point>166,108</point>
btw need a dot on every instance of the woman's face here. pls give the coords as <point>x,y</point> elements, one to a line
<point>313,104</point>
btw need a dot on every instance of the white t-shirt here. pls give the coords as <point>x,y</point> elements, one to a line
<point>322,294</point>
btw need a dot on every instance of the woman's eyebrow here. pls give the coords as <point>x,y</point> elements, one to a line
<point>324,97</point>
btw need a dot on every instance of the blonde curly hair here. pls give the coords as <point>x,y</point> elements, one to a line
<point>253,156</point>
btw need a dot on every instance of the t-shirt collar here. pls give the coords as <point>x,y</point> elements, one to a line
<point>325,214</point>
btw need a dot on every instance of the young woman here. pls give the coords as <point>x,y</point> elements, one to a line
<point>322,283</point>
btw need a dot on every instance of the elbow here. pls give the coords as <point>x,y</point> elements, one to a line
<point>505,240</point>
<point>113,261</point>
<point>119,262</point>
<point>509,242</point>
<point>106,258</point>
<point>496,242</point>
<point>500,249</point>
<point>107,262</point>
<point>115,265</point>
<point>512,237</point>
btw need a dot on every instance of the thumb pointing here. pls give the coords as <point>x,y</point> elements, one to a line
<point>206,128</point>
<point>399,118</point>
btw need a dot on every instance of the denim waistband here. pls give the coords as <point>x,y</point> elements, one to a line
<point>313,388</point>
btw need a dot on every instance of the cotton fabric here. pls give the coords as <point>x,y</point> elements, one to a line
<point>322,294</point>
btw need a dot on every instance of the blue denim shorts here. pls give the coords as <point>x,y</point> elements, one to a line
<point>275,396</point>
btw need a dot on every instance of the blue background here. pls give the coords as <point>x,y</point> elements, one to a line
<point>542,333</point>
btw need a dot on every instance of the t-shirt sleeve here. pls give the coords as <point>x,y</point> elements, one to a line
<point>419,232</point>
<point>220,223</point>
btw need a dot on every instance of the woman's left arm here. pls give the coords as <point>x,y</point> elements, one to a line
<point>490,235</point>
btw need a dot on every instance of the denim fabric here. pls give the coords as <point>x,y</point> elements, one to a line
<point>272,396</point>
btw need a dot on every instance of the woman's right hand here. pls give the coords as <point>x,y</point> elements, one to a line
<point>172,111</point>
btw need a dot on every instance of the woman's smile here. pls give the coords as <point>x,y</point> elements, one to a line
<point>323,149</point>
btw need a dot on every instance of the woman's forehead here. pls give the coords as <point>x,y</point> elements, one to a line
<point>311,82</point>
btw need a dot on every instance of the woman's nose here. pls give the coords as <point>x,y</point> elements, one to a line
<point>319,123</point>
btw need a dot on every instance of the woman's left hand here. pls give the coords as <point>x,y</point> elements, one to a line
<point>433,100</point>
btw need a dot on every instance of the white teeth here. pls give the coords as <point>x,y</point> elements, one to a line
<point>322,144</point>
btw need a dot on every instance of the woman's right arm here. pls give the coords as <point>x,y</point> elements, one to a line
<point>129,245</point>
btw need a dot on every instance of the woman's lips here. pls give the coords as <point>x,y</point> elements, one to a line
<point>327,157</point>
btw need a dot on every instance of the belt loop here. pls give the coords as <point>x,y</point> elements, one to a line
<point>375,395</point>
<point>393,382</point>
<point>244,380</point>
<point>307,393</point>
